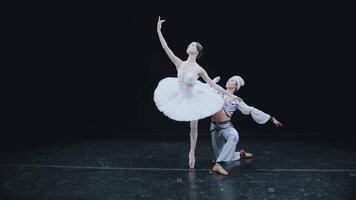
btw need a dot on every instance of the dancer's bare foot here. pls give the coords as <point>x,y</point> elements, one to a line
<point>219,169</point>
<point>245,154</point>
<point>191,160</point>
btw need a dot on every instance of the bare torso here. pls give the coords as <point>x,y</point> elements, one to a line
<point>220,116</point>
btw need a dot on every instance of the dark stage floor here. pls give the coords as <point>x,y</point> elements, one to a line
<point>109,167</point>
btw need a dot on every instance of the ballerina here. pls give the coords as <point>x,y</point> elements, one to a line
<point>185,98</point>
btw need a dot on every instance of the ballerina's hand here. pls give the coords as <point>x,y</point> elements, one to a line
<point>159,23</point>
<point>216,79</point>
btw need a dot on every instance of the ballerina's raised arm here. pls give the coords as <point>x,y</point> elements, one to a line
<point>177,61</point>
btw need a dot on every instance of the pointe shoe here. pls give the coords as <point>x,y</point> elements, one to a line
<point>219,169</point>
<point>245,154</point>
<point>191,161</point>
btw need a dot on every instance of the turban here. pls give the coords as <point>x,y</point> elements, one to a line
<point>239,81</point>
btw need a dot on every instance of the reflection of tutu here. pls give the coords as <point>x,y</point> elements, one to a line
<point>204,100</point>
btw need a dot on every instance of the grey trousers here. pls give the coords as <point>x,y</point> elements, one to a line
<point>224,139</point>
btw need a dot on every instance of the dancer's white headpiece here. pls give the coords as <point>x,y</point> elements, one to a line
<point>239,81</point>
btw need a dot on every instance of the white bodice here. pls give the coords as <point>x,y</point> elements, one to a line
<point>186,81</point>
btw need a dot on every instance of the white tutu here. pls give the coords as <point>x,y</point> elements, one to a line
<point>203,101</point>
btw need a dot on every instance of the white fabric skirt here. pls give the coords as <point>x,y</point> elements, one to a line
<point>203,102</point>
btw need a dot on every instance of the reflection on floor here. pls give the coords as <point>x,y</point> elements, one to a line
<point>109,167</point>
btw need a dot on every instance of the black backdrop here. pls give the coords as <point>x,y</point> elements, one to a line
<point>93,66</point>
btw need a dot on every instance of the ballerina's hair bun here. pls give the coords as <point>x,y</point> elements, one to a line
<point>199,49</point>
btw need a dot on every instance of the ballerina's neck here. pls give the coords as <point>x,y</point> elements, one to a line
<point>192,58</point>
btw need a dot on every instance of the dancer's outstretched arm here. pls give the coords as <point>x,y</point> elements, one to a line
<point>259,116</point>
<point>177,61</point>
<point>207,79</point>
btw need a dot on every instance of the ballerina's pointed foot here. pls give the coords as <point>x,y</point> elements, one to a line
<point>191,160</point>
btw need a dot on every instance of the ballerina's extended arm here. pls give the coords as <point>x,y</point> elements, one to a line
<point>213,84</point>
<point>168,51</point>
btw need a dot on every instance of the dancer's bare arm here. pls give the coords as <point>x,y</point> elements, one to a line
<point>177,61</point>
<point>207,79</point>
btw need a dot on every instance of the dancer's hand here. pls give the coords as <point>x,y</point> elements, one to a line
<point>159,23</point>
<point>216,79</point>
<point>276,122</point>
